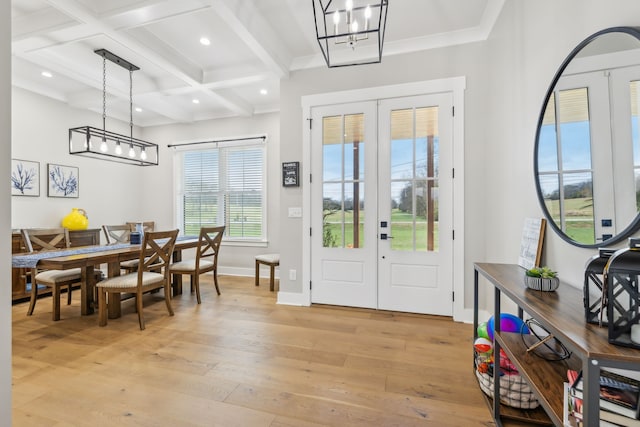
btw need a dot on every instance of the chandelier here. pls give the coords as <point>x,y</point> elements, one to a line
<point>350,32</point>
<point>106,145</point>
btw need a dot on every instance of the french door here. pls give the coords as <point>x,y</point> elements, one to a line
<point>381,205</point>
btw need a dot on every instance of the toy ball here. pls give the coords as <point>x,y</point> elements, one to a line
<point>482,330</point>
<point>508,323</point>
<point>482,345</point>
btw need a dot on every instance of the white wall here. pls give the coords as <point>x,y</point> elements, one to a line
<point>110,193</point>
<point>507,78</point>
<point>5,213</point>
<point>159,196</point>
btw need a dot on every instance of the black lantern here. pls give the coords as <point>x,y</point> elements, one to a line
<point>621,275</point>
<point>594,309</point>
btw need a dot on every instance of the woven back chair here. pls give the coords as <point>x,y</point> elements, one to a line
<point>206,259</point>
<point>153,273</point>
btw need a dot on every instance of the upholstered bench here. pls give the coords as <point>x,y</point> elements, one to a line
<point>272,260</point>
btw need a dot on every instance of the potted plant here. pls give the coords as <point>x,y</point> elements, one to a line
<point>541,279</point>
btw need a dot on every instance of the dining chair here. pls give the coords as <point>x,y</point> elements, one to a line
<point>206,259</point>
<point>121,233</point>
<point>153,273</point>
<point>146,226</point>
<point>50,239</point>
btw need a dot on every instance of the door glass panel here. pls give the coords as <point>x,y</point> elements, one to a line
<point>414,183</point>
<point>343,181</point>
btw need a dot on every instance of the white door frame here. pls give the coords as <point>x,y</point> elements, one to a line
<point>455,85</point>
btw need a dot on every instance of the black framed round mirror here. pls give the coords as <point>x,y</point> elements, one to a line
<point>587,146</point>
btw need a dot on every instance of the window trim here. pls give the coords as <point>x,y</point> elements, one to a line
<point>205,144</point>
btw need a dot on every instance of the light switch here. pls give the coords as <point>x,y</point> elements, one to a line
<point>295,212</point>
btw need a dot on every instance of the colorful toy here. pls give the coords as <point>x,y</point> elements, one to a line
<point>482,345</point>
<point>482,330</point>
<point>508,323</point>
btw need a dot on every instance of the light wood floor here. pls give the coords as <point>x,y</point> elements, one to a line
<point>241,360</point>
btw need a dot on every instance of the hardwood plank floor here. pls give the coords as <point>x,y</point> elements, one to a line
<point>239,359</point>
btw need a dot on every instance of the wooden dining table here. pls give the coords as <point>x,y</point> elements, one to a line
<point>88,257</point>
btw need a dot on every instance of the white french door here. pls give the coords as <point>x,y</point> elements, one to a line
<point>415,209</point>
<point>381,208</point>
<point>343,203</point>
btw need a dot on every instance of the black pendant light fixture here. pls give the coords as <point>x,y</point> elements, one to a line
<point>106,145</point>
<point>350,32</point>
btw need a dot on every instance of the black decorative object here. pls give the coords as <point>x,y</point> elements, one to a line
<point>594,310</point>
<point>621,275</point>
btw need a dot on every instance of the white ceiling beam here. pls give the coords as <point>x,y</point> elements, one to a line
<point>244,19</point>
<point>175,65</point>
<point>231,101</point>
<point>40,22</point>
<point>151,12</point>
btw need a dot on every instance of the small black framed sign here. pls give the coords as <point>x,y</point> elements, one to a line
<point>290,174</point>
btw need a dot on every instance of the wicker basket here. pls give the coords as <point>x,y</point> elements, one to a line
<point>514,390</point>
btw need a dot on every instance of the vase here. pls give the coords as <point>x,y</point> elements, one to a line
<point>542,283</point>
<point>76,220</point>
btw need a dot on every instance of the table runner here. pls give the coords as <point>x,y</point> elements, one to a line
<point>31,260</point>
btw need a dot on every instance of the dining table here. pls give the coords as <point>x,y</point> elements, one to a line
<point>88,257</point>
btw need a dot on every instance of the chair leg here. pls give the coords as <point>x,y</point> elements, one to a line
<point>34,296</point>
<point>195,282</point>
<point>102,306</point>
<point>139,310</point>
<point>55,315</point>
<point>215,280</point>
<point>257,273</point>
<point>69,294</point>
<point>272,273</point>
<point>167,298</point>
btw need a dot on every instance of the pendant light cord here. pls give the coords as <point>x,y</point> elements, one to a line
<point>131,104</point>
<point>104,96</point>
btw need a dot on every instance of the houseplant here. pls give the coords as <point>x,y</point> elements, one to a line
<point>541,279</point>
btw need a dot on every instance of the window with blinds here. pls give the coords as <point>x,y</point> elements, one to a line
<point>223,186</point>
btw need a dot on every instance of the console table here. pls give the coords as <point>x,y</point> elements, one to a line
<point>560,312</point>
<point>88,237</point>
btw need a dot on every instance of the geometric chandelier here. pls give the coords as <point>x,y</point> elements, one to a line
<point>106,145</point>
<point>350,32</point>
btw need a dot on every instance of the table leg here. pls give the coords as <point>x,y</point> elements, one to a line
<point>176,282</point>
<point>113,307</point>
<point>87,289</point>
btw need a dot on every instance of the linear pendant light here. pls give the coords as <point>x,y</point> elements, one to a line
<point>102,144</point>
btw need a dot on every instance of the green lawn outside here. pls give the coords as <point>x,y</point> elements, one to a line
<point>401,229</point>
<point>579,221</point>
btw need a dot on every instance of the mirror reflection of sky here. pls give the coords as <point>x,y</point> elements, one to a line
<point>402,161</point>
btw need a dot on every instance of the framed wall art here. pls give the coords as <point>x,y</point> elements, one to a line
<point>25,178</point>
<point>64,181</point>
<point>531,242</point>
<point>290,172</point>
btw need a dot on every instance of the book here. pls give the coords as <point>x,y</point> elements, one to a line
<point>618,394</point>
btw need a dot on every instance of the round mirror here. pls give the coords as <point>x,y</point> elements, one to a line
<point>587,150</point>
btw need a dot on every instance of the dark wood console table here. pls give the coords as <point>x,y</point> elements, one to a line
<point>562,314</point>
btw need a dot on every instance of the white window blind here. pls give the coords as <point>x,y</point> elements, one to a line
<point>223,186</point>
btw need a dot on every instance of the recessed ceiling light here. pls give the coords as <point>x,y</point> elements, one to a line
<point>46,74</point>
<point>263,92</point>
<point>205,41</point>
<point>195,101</point>
<point>139,110</point>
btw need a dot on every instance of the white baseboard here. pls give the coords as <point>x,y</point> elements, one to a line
<point>241,271</point>
<point>292,298</point>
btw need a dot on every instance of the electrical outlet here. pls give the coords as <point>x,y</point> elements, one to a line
<point>292,275</point>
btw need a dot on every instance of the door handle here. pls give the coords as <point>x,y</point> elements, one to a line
<point>385,236</point>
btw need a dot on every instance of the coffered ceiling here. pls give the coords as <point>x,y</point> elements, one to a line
<point>253,45</point>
